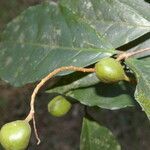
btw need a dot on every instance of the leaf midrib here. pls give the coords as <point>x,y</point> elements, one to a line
<point>61,47</point>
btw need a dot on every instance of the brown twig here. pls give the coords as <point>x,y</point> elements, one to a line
<point>31,115</point>
<point>35,131</point>
<point>126,55</point>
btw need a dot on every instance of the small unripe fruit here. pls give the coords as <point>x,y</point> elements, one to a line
<point>109,70</point>
<point>59,106</point>
<point>15,135</point>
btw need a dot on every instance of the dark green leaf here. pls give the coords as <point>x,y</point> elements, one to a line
<point>89,91</point>
<point>45,37</point>
<point>96,137</point>
<point>141,69</point>
<point>74,81</point>
<point>109,96</point>
<point>120,21</point>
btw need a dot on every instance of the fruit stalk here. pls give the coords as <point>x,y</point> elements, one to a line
<point>31,115</point>
<point>126,55</point>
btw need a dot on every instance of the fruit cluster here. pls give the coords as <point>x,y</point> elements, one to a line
<point>16,135</point>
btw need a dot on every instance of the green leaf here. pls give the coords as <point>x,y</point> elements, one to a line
<point>45,37</point>
<point>89,91</point>
<point>107,96</point>
<point>120,21</point>
<point>141,68</point>
<point>96,137</point>
<point>74,81</point>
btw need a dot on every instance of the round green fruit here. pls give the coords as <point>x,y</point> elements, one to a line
<point>59,106</point>
<point>109,70</point>
<point>15,135</point>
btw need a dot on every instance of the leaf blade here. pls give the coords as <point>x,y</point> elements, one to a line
<point>120,21</point>
<point>141,70</point>
<point>42,39</point>
<point>95,137</point>
<point>89,91</point>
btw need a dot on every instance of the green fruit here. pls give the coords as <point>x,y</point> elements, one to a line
<point>15,135</point>
<point>109,70</point>
<point>59,106</point>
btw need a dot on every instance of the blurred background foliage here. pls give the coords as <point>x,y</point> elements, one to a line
<point>10,9</point>
<point>130,125</point>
